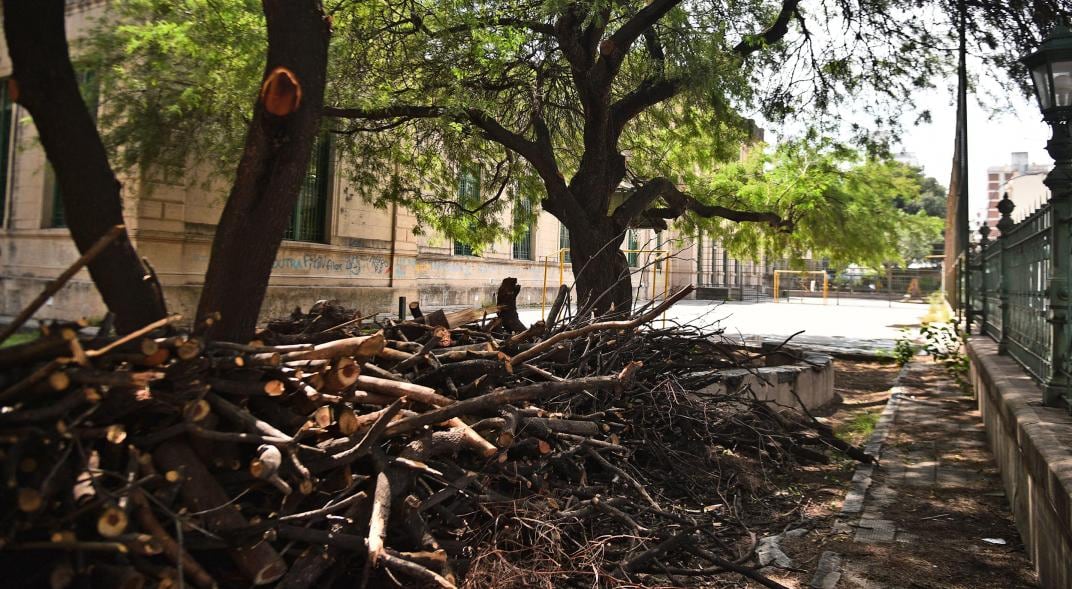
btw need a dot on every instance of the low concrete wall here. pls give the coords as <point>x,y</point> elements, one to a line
<point>811,380</point>
<point>1033,448</point>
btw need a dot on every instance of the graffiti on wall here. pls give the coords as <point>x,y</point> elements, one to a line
<point>367,265</point>
<point>479,269</point>
<point>346,265</point>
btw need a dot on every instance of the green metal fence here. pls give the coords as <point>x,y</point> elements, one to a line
<point>991,296</point>
<point>1015,290</point>
<point>1026,277</point>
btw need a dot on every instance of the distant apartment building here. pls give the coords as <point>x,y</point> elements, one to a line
<point>336,246</point>
<point>1022,181</point>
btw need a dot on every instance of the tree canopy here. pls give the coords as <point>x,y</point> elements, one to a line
<point>849,208</point>
<point>608,114</point>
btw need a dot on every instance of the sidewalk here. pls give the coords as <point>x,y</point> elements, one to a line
<point>933,514</point>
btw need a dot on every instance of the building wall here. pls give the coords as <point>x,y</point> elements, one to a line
<point>1023,183</point>
<point>369,258</point>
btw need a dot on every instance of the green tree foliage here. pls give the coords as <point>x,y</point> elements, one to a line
<point>583,107</point>
<point>178,79</point>
<point>846,206</point>
<point>931,198</point>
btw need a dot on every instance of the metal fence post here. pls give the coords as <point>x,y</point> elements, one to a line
<point>1005,224</point>
<point>1059,181</point>
<point>984,241</point>
<point>971,313</point>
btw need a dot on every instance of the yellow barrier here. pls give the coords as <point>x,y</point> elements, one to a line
<point>778,275</point>
<point>561,254</point>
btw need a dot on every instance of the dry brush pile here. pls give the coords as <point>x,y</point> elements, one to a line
<point>446,450</point>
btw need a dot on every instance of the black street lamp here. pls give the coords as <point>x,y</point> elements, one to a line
<point>1051,74</point>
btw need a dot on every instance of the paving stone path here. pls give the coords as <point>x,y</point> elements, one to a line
<point>933,513</point>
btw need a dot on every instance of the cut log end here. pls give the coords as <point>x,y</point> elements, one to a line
<point>112,523</point>
<point>281,92</point>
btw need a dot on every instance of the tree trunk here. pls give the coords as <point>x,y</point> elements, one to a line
<point>285,123</point>
<point>599,266</point>
<point>43,81</point>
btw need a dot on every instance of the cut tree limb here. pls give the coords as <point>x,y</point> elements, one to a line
<point>550,342</point>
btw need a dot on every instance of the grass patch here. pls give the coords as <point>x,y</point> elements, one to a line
<point>858,428</point>
<point>19,338</point>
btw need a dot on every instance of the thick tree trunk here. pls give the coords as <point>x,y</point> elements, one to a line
<point>285,123</point>
<point>600,269</point>
<point>43,81</point>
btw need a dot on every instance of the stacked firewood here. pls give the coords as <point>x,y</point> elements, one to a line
<point>337,450</point>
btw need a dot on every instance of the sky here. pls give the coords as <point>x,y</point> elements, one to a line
<point>991,138</point>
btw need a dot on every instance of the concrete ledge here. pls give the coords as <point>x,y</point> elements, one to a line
<point>811,380</point>
<point>1033,448</point>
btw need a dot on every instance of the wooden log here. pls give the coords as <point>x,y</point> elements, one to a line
<point>112,522</point>
<point>259,563</point>
<point>439,337</point>
<point>505,396</point>
<point>265,466</point>
<point>633,323</point>
<point>116,576</point>
<point>506,300</point>
<point>557,305</point>
<point>472,354</point>
<point>114,379</point>
<point>50,374</point>
<point>415,310</point>
<point>365,445</point>
<point>534,331</point>
<point>343,534</point>
<point>134,335</point>
<point>471,438</point>
<point>359,348</point>
<point>568,426</point>
<point>271,388</point>
<point>343,374</point>
<point>367,398</point>
<point>408,346</point>
<point>437,318</point>
<point>374,370</point>
<point>509,428</point>
<point>394,355</point>
<point>41,348</point>
<point>459,318</point>
<point>148,522</point>
<point>464,371</point>
<point>421,394</point>
<point>244,417</point>
<point>70,401</point>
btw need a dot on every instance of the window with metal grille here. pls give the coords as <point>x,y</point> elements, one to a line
<point>523,243</point>
<point>89,86</point>
<point>469,198</point>
<point>6,115</point>
<point>634,244</point>
<point>309,219</point>
<point>563,243</point>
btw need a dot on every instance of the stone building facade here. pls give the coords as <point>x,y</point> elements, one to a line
<point>338,246</point>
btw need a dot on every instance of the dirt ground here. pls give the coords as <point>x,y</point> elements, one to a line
<point>941,528</point>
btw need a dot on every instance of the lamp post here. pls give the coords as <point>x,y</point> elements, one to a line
<point>1051,74</point>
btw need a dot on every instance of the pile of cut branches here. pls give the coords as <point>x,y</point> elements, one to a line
<point>453,448</point>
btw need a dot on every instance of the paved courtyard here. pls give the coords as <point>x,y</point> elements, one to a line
<point>846,325</point>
